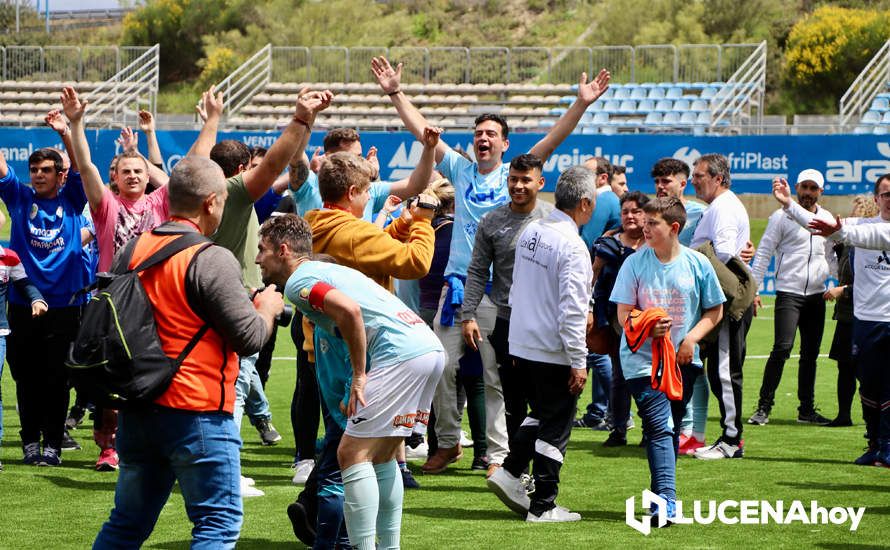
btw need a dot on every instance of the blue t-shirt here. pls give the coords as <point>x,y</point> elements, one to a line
<point>684,288</point>
<point>694,210</point>
<point>308,198</point>
<point>333,372</point>
<point>395,333</point>
<point>606,216</point>
<point>475,195</point>
<point>46,235</point>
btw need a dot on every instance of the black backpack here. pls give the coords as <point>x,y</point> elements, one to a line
<point>117,360</point>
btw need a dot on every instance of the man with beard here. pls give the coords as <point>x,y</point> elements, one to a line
<point>801,270</point>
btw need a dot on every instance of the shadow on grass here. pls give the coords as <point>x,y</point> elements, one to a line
<point>105,485</point>
<point>453,489</point>
<point>848,545</point>
<point>490,514</point>
<point>796,460</point>
<point>833,486</point>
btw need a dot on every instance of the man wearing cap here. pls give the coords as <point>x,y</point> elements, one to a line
<point>801,271</point>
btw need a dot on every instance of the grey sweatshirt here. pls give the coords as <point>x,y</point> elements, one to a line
<point>495,245</point>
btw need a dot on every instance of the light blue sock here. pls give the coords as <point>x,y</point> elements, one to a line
<point>389,517</point>
<point>360,503</point>
<point>700,395</point>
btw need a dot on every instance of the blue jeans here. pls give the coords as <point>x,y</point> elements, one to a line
<point>661,446</point>
<point>160,446</point>
<point>330,529</point>
<point>2,360</point>
<point>249,395</point>
<point>600,367</point>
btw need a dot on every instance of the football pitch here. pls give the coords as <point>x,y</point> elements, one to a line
<point>64,507</point>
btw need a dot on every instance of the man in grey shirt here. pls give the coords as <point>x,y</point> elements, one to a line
<point>495,245</point>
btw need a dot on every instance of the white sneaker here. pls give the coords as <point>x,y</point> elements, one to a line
<point>302,469</point>
<point>465,440</point>
<point>554,515</point>
<point>510,490</point>
<point>417,453</point>
<point>248,490</point>
<point>719,450</point>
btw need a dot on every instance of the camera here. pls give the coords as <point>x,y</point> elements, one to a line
<point>285,317</point>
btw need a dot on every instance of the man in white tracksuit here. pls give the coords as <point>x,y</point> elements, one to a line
<point>801,271</point>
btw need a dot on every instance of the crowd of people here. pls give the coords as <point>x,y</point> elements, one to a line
<point>457,288</point>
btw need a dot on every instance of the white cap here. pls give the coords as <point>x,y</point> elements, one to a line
<point>812,175</point>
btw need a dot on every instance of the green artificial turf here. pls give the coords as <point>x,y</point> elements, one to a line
<point>64,507</point>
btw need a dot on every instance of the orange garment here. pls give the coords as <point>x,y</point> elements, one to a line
<point>205,382</point>
<point>401,250</point>
<point>666,376</point>
<point>308,343</point>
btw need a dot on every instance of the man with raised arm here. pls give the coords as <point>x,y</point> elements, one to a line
<point>480,187</point>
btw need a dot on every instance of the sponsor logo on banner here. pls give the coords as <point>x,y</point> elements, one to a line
<point>857,176</point>
<point>743,165</point>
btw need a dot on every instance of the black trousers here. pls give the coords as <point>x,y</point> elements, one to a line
<point>514,379</point>
<point>544,434</point>
<point>792,313</point>
<point>724,360</point>
<point>264,361</point>
<point>842,352</point>
<point>37,349</point>
<point>305,409</point>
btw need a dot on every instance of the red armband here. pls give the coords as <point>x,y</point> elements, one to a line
<point>317,294</point>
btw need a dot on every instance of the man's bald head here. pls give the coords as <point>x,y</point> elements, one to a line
<point>192,181</point>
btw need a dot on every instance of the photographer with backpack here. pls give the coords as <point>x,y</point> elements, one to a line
<point>188,434</point>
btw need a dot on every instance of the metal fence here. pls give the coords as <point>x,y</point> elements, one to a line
<point>456,65</point>
<point>66,63</point>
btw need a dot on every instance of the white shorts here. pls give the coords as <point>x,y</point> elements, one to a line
<point>398,398</point>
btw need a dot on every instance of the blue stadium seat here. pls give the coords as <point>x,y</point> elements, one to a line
<point>698,85</point>
<point>709,92</point>
<point>670,118</point>
<point>653,119</point>
<point>886,118</point>
<point>587,130</point>
<point>648,85</point>
<point>608,130</point>
<point>717,84</point>
<point>674,93</point>
<point>880,104</point>
<point>628,106</point>
<point>639,93</point>
<point>699,105</point>
<point>681,105</point>
<point>664,105</point>
<point>611,106</point>
<point>704,118</point>
<point>871,117</point>
<point>656,92</point>
<point>597,105</point>
<point>558,111</point>
<point>645,105</point>
<point>609,93</point>
<point>568,99</point>
<point>601,118</point>
<point>546,123</point>
<point>862,130</point>
<point>622,93</point>
<point>882,130</point>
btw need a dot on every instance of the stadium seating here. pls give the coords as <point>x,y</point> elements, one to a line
<point>25,103</point>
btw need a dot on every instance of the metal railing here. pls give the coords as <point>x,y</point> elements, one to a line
<point>247,80</point>
<point>66,63</point>
<point>873,79</point>
<point>743,90</point>
<point>559,65</point>
<point>118,100</point>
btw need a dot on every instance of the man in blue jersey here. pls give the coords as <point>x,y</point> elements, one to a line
<point>480,186</point>
<point>404,361</point>
<point>46,222</point>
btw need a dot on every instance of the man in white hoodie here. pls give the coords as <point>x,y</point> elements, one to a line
<point>801,271</point>
<point>549,303</point>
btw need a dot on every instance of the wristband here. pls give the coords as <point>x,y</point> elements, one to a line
<point>390,94</point>
<point>299,120</point>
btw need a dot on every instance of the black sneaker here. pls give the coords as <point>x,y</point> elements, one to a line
<point>599,425</point>
<point>268,434</point>
<point>812,417</point>
<point>50,457</point>
<point>408,481</point>
<point>69,443</point>
<point>760,417</point>
<point>615,439</point>
<point>839,423</point>
<point>75,418</point>
<point>304,528</point>
<point>31,453</point>
<point>480,463</point>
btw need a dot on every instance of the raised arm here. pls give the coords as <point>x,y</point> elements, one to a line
<point>210,109</point>
<point>93,187</point>
<point>390,81</point>
<point>588,92</point>
<point>294,138</point>
<point>147,125</point>
<point>56,121</point>
<point>4,168</point>
<point>420,177</point>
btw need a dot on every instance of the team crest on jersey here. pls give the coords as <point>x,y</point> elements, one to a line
<point>33,213</point>
<point>59,211</point>
<point>304,293</point>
